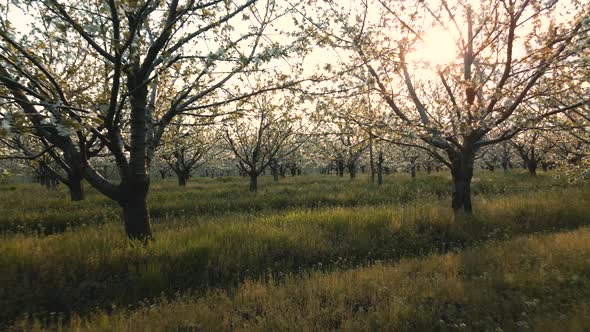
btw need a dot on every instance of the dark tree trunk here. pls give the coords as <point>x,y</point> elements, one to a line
<point>380,168</point>
<point>352,170</point>
<point>135,180</point>
<point>76,187</point>
<point>293,170</point>
<point>413,170</point>
<point>253,183</point>
<point>182,179</point>
<point>462,173</point>
<point>428,169</point>
<point>505,166</point>
<point>340,168</point>
<point>531,166</point>
<point>135,212</point>
<point>274,168</point>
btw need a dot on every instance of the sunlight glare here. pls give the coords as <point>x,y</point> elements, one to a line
<point>437,48</point>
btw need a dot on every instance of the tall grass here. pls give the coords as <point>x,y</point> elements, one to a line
<point>93,267</point>
<point>537,282</point>
<point>31,208</point>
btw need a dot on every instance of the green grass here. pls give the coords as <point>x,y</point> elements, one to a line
<point>293,232</point>
<point>536,282</point>
<point>32,208</point>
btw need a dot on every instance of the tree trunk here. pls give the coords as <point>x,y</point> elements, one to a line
<point>371,160</point>
<point>182,179</point>
<point>135,181</point>
<point>340,168</point>
<point>413,169</point>
<point>505,166</point>
<point>352,170</point>
<point>253,183</point>
<point>76,187</point>
<point>380,168</point>
<point>135,212</point>
<point>462,172</point>
<point>531,166</point>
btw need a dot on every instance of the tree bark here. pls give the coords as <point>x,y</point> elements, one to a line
<point>531,166</point>
<point>283,171</point>
<point>274,167</point>
<point>76,187</point>
<point>380,168</point>
<point>505,166</point>
<point>135,212</point>
<point>462,173</point>
<point>253,183</point>
<point>182,179</point>
<point>352,170</point>
<point>340,165</point>
<point>135,181</point>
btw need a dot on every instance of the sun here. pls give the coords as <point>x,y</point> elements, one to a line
<point>437,48</point>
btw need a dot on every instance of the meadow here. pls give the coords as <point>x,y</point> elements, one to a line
<point>311,252</point>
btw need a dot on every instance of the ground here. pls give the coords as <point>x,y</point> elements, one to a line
<point>312,252</point>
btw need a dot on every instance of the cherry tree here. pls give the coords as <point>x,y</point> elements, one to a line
<point>267,130</point>
<point>120,72</point>
<point>507,63</point>
<point>186,148</point>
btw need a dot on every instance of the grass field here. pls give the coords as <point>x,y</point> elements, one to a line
<point>307,253</point>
